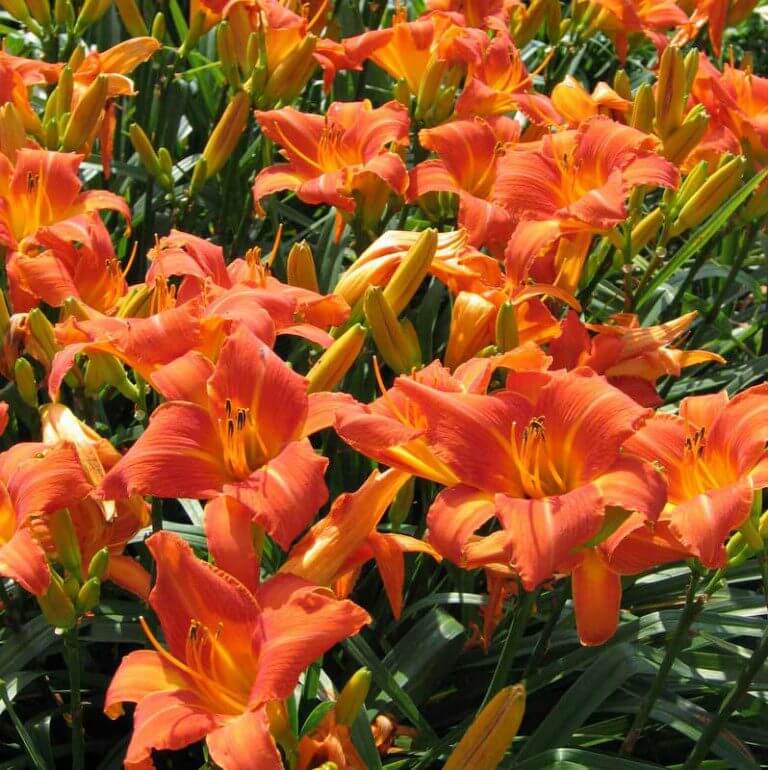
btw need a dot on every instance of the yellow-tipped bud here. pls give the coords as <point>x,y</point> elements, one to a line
<point>227,133</point>
<point>225,44</point>
<point>41,330</point>
<point>56,605</point>
<point>158,27</point>
<point>670,92</point>
<point>64,538</point>
<point>199,175</point>
<point>692,182</point>
<point>643,109</point>
<point>646,229</point>
<point>428,88</point>
<point>507,337</point>
<point>76,58</point>
<point>710,196</point>
<point>411,271</point>
<point>394,344</point>
<point>679,144</point>
<point>26,383</point>
<point>621,84</point>
<point>166,166</point>
<point>301,267</point>
<point>144,150</point>
<point>13,135</point>
<point>90,13</point>
<point>337,360</point>
<point>97,567</point>
<point>288,79</point>
<point>352,698</point>
<point>88,596</point>
<point>61,98</point>
<point>41,11</point>
<point>84,120</point>
<point>490,735</point>
<point>132,18</point>
<point>64,12</point>
<point>691,64</point>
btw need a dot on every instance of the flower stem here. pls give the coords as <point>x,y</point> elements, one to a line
<point>525,603</point>
<point>727,707</point>
<point>675,645</point>
<point>72,650</point>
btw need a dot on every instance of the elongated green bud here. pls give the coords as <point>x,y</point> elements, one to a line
<point>507,337</point>
<point>65,540</point>
<point>337,360</point>
<point>411,271</point>
<point>90,13</point>
<point>41,330</point>
<point>670,92</point>
<point>97,567</point>
<point>144,149</point>
<point>679,143</point>
<point>227,133</point>
<point>646,229</point>
<point>84,120</point>
<point>301,267</point>
<point>57,607</point>
<point>89,595</point>
<point>390,339</point>
<point>158,27</point>
<point>352,698</point>
<point>291,75</point>
<point>26,383</point>
<point>132,18</point>
<point>643,109</point>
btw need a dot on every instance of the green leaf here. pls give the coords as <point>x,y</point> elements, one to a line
<point>578,759</point>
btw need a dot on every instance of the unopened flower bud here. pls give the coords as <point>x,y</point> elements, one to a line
<point>643,109</point>
<point>507,337</point>
<point>622,85</point>
<point>132,18</point>
<point>57,607</point>
<point>97,567</point>
<point>90,13</point>
<point>41,330</point>
<point>13,136</point>
<point>89,595</point>
<point>391,340</point>
<point>646,229</point>
<point>352,698</point>
<point>26,383</point>
<point>64,538</point>
<point>158,27</point>
<point>194,33</point>
<point>104,369</point>
<point>411,271</point>
<point>428,88</point>
<point>301,267</point>
<point>227,133</point>
<point>402,93</point>
<point>288,79</point>
<point>670,92</point>
<point>84,120</point>
<point>681,142</point>
<point>401,505</point>
<point>337,360</point>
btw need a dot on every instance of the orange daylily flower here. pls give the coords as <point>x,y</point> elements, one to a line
<point>17,76</point>
<point>234,290</point>
<point>498,82</point>
<point>543,457</point>
<point>575,105</point>
<point>115,64</point>
<point>335,548</point>
<point>341,159</point>
<point>456,264</point>
<point>330,741</point>
<point>574,184</point>
<point>469,152</point>
<point>737,103</point>
<point>474,13</point>
<point>35,481</point>
<point>144,344</point>
<point>98,525</point>
<point>41,190</point>
<point>232,654</point>
<point>621,19</point>
<point>631,356</point>
<point>713,457</point>
<point>233,433</point>
<point>411,51</point>
<point>718,14</point>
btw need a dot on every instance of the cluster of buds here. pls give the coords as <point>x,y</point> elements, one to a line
<point>526,21</point>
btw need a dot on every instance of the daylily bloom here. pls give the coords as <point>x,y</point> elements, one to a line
<point>737,103</point>
<point>468,152</point>
<point>718,14</point>
<point>621,19</point>
<point>575,105</point>
<point>474,13</point>
<point>713,456</point>
<point>330,741</point>
<point>498,82</point>
<point>421,54</point>
<point>17,76</point>
<point>41,190</point>
<point>455,263</point>
<point>232,656</point>
<point>35,481</point>
<point>631,356</point>
<point>343,159</point>
<point>244,282</point>
<point>115,64</point>
<point>333,551</point>
<point>98,525</point>
<point>543,457</point>
<point>233,434</point>
<point>573,185</point>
